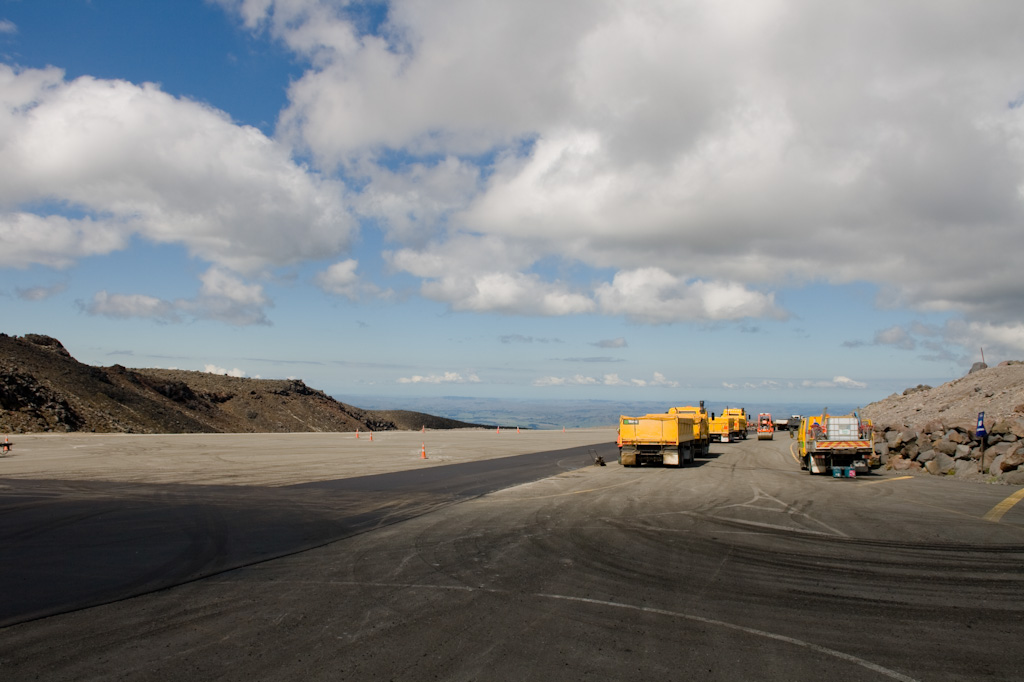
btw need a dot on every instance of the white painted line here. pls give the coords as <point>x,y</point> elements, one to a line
<point>750,631</point>
<point>811,646</point>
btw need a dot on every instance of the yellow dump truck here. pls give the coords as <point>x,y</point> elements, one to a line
<point>724,429</point>
<point>741,418</point>
<point>701,427</point>
<point>656,439</point>
<point>842,445</point>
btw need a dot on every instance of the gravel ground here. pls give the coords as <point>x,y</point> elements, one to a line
<point>268,459</point>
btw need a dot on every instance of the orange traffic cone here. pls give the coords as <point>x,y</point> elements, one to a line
<point>499,429</point>
<point>357,433</point>
<point>517,429</point>
<point>371,436</point>
<point>423,450</point>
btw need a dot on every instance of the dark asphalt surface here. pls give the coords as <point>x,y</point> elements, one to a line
<point>742,567</point>
<point>72,544</point>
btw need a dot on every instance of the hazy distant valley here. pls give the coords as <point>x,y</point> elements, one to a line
<point>555,414</point>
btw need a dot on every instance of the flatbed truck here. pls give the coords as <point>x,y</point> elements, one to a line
<point>843,446</point>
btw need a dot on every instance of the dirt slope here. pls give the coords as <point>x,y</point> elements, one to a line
<point>996,391</point>
<point>43,388</point>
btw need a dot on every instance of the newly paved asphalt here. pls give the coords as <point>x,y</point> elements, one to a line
<point>742,567</point>
<point>73,544</point>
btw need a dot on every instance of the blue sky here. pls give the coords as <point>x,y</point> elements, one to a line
<point>737,201</point>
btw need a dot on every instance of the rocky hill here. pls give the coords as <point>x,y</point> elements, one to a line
<point>43,388</point>
<point>933,428</point>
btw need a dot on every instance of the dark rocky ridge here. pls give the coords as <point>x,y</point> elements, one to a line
<point>43,388</point>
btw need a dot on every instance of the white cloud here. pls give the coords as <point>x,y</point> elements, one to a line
<point>27,239</point>
<point>660,380</point>
<point>611,379</point>
<point>837,382</point>
<point>446,378</point>
<point>656,296</point>
<point>834,143</point>
<point>7,26</point>
<point>137,161</point>
<point>618,342</point>
<point>218,283</point>
<point>341,279</point>
<point>131,305</point>
<point>222,296</point>
<point>1003,340</point>
<point>479,283</point>
<point>213,369</point>
<point>687,158</point>
<point>576,380</point>
<point>413,205</point>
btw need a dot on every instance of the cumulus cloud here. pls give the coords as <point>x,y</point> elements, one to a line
<point>341,279</point>
<point>446,378</point>
<point>836,382</point>
<point>131,305</point>
<point>823,143</point>
<point>214,369</point>
<point>656,296</point>
<point>658,379</point>
<point>1003,339</point>
<point>763,384</point>
<point>480,282</point>
<point>113,160</point>
<point>223,296</point>
<point>611,140</point>
<point>577,380</point>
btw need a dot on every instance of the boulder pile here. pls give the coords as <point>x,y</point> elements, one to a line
<point>931,429</point>
<point>954,450</point>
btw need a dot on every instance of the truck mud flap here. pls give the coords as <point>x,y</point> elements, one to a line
<point>627,459</point>
<point>670,458</point>
<point>816,464</point>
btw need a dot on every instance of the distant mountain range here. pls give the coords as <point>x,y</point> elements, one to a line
<point>43,388</point>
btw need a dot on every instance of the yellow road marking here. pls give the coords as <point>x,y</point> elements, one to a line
<point>898,478</point>
<point>996,512</point>
<point>793,452</point>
